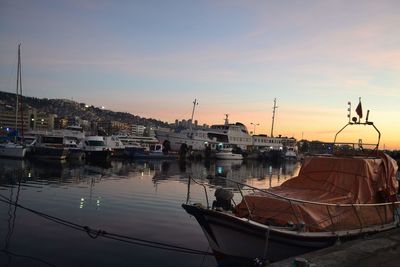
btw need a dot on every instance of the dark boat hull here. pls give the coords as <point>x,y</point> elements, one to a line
<point>52,153</point>
<point>102,156</point>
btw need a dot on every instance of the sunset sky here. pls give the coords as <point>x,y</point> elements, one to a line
<point>153,58</point>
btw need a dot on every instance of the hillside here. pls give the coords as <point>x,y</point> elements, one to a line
<point>69,108</point>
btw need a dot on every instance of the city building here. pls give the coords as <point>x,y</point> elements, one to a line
<point>138,129</point>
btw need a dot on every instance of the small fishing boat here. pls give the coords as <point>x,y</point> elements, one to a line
<point>334,198</point>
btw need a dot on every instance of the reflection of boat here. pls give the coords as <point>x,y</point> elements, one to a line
<point>11,167</point>
<point>334,198</point>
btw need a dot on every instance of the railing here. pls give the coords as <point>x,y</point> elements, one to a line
<point>387,213</point>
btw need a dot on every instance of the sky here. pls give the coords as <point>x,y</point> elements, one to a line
<point>153,58</point>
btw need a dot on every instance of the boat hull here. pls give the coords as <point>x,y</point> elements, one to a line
<point>12,151</point>
<point>98,156</point>
<point>52,153</point>
<point>232,156</point>
<point>233,238</point>
<point>76,154</point>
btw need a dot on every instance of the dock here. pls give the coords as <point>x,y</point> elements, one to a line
<point>382,249</point>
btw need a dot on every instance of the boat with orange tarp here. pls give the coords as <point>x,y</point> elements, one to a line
<point>334,198</point>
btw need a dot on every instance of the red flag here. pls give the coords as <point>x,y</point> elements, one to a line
<point>359,110</point>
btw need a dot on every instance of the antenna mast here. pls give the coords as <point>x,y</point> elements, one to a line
<point>273,117</point>
<point>226,119</point>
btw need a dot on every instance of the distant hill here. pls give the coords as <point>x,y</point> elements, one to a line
<point>70,108</point>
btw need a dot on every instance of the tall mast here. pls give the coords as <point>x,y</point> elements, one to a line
<point>17,89</point>
<point>273,117</point>
<point>20,92</point>
<point>195,103</point>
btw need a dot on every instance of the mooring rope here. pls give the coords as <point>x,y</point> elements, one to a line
<point>101,233</point>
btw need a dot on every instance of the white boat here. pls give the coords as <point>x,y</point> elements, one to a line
<point>155,151</point>
<point>290,153</point>
<point>75,147</point>
<point>115,145</point>
<point>335,198</point>
<point>96,150</point>
<point>12,150</point>
<point>144,141</point>
<point>228,153</point>
<point>234,134</point>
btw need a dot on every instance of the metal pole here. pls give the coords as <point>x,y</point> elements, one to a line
<point>194,106</point>
<point>273,117</point>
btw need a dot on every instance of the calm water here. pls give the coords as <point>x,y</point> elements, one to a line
<point>138,199</point>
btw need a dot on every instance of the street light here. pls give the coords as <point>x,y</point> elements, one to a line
<point>254,125</point>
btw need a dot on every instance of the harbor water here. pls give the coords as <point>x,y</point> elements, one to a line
<point>137,202</point>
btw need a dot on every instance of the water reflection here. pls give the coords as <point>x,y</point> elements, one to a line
<point>254,173</point>
<point>139,198</point>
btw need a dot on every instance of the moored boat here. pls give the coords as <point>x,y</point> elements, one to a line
<point>96,150</point>
<point>228,153</point>
<point>12,150</point>
<point>49,146</point>
<point>334,198</point>
<point>115,145</point>
<point>155,151</point>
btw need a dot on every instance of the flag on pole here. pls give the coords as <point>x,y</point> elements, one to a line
<point>359,110</point>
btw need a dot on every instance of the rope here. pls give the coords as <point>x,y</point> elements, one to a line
<point>118,237</point>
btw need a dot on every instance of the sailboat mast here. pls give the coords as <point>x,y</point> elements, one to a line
<point>17,90</point>
<point>20,92</point>
<point>273,117</point>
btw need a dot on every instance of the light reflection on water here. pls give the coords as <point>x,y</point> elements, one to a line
<point>141,199</point>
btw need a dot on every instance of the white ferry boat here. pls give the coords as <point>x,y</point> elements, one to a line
<point>235,134</point>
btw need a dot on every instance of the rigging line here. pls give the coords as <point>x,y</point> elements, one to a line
<point>28,257</point>
<point>123,238</point>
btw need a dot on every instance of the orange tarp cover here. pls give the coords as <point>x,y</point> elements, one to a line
<point>329,179</point>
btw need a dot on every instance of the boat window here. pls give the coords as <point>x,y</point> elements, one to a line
<point>95,143</point>
<point>52,139</point>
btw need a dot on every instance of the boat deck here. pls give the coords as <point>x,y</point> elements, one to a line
<point>382,249</point>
